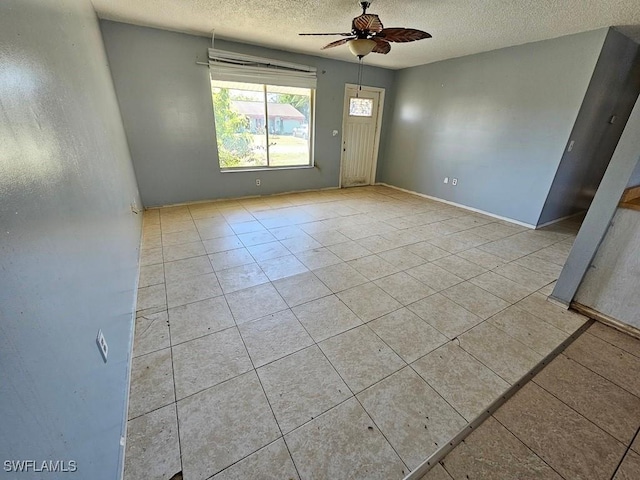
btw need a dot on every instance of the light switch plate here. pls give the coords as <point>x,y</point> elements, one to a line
<point>102,345</point>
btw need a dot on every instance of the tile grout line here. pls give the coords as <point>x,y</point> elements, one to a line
<point>601,375</point>
<point>527,447</point>
<point>173,374</point>
<point>576,411</point>
<point>441,453</point>
<point>407,364</point>
<point>626,452</point>
<point>264,392</point>
<point>613,344</point>
<point>353,394</point>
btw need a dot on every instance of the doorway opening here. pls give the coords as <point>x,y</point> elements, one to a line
<point>361,122</point>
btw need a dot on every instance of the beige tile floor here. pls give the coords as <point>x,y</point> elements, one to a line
<point>333,334</point>
<point>576,419</point>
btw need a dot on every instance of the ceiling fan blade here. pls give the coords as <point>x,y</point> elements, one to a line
<point>368,23</point>
<point>337,43</point>
<point>342,34</point>
<point>402,35</point>
<point>382,46</point>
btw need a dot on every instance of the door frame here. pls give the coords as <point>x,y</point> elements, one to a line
<point>345,116</point>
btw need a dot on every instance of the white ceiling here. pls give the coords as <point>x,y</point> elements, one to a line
<point>458,27</point>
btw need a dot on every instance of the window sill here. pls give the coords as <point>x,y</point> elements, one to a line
<point>265,169</point>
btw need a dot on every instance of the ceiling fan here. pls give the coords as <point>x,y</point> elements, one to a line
<point>369,35</point>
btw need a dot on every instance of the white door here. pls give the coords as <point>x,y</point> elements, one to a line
<point>360,135</point>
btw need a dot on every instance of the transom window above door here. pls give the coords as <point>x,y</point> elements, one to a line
<point>360,107</point>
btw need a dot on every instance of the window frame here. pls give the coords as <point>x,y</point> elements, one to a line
<point>311,135</point>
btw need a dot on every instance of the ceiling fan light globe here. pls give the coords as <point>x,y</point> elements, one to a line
<point>361,47</point>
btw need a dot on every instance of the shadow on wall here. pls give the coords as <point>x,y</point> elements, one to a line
<point>612,92</point>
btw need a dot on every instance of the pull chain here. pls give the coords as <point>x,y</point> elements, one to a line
<point>359,76</point>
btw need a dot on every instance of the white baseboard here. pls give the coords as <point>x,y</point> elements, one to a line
<point>466,207</point>
<point>546,224</point>
<point>246,197</point>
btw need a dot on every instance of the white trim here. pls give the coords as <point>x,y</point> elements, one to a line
<point>246,197</point>
<point>265,169</point>
<point>546,224</point>
<point>376,145</point>
<point>242,58</point>
<point>123,447</point>
<point>466,207</point>
<point>237,67</point>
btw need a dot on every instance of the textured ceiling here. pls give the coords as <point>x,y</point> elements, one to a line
<point>458,27</point>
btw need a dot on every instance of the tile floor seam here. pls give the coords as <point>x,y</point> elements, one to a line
<point>317,344</point>
<point>257,318</point>
<point>215,384</point>
<point>174,402</point>
<point>542,319</point>
<point>524,286</point>
<point>243,458</point>
<point>510,392</point>
<point>173,372</point>
<point>462,306</point>
<point>203,336</point>
<point>510,383</point>
<point>615,440</point>
<point>314,341</point>
<point>457,337</point>
<point>601,375</point>
<point>267,397</point>
<point>626,452</point>
<point>307,422</point>
<point>380,430</point>
<point>516,338</point>
<point>613,344</point>
<point>434,388</point>
<point>533,380</point>
<point>528,447</point>
<point>275,419</point>
<point>407,364</point>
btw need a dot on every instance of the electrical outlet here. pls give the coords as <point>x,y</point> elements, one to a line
<point>446,179</point>
<point>454,182</point>
<point>571,144</point>
<point>102,345</point>
<point>257,182</point>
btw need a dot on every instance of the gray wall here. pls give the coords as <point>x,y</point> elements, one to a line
<point>68,241</point>
<point>613,90</point>
<point>604,205</point>
<point>497,121</point>
<point>165,99</point>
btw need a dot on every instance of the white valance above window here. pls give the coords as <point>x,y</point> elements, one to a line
<point>237,67</point>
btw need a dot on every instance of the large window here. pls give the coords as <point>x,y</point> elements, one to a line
<point>262,126</point>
